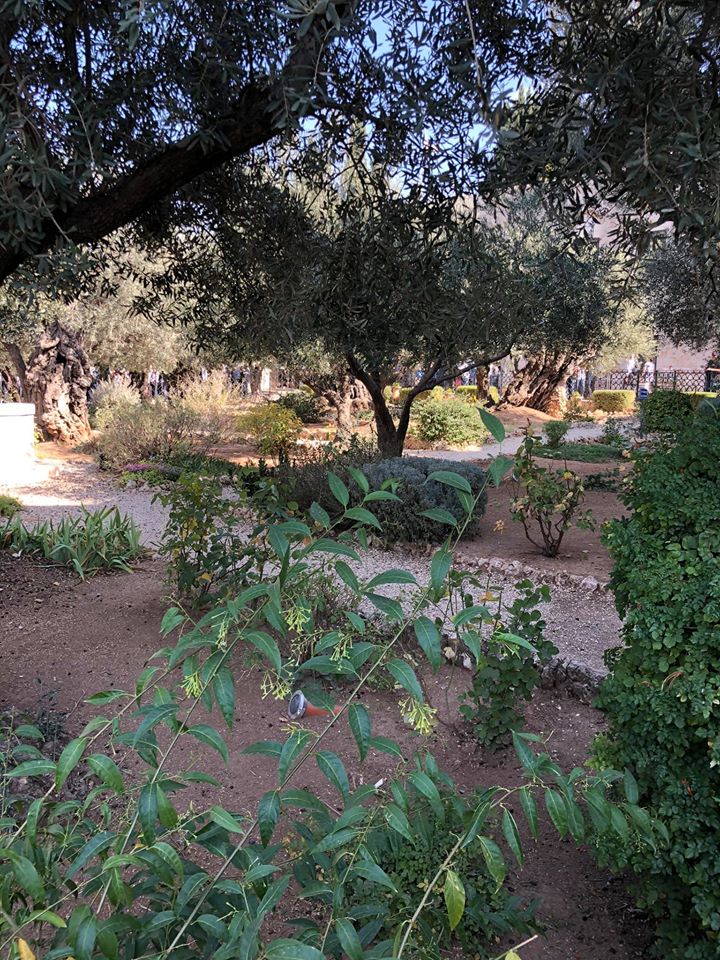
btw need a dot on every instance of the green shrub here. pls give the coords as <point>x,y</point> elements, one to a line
<point>205,540</point>
<point>273,429</point>
<point>665,410</point>
<point>402,519</point>
<point>9,506</point>
<point>612,435</point>
<point>506,672</point>
<point>450,420</point>
<point>96,540</point>
<point>108,397</point>
<point>613,401</point>
<point>490,910</point>
<point>584,452</point>
<point>304,480</point>
<point>546,500</point>
<point>303,405</point>
<point>467,393</point>
<point>661,697</point>
<point>159,431</point>
<point>555,431</point>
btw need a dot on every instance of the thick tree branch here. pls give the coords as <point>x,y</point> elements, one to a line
<point>248,124</point>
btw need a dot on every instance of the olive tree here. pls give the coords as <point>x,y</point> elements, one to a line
<point>372,275</point>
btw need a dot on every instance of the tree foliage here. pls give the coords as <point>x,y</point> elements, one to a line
<point>625,119</point>
<point>129,105</point>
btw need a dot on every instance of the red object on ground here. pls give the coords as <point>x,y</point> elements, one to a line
<point>299,706</point>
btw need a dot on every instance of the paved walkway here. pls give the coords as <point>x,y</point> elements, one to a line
<point>590,431</point>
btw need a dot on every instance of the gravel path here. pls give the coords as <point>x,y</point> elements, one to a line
<point>66,487</point>
<point>581,624</point>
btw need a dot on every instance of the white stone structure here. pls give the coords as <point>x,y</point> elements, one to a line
<point>17,442</point>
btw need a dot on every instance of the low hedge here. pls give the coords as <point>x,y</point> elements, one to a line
<point>614,401</point>
<point>402,520</point>
<point>665,410</point>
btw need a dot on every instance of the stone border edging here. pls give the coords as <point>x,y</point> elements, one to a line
<point>576,680</point>
<point>512,568</point>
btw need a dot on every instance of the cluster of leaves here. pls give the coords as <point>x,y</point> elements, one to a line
<point>473,905</point>
<point>508,665</point>
<point>662,692</point>
<point>74,873</point>
<point>665,410</point>
<point>9,506</point>
<point>547,500</point>
<point>210,543</point>
<point>613,436</point>
<point>448,419</point>
<point>92,541</point>
<point>274,429</point>
<point>305,479</point>
<point>613,401</point>
<point>424,506</point>
<point>304,405</point>
<point>555,432</point>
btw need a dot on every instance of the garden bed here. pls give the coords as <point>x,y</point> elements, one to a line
<point>102,631</point>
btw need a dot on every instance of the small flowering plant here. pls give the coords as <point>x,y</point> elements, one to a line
<point>546,501</point>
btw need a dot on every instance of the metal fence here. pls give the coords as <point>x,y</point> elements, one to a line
<point>687,380</point>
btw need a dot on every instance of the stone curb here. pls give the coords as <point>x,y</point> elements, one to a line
<point>512,568</point>
<point>575,680</point>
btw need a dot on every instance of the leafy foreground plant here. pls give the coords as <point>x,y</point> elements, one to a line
<point>661,697</point>
<point>127,871</point>
<point>547,500</point>
<point>209,536</point>
<point>95,540</point>
<point>507,666</point>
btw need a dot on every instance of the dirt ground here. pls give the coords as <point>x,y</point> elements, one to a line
<point>582,552</point>
<point>65,638</point>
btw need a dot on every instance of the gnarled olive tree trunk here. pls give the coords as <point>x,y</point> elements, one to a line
<point>57,377</point>
<point>536,384</point>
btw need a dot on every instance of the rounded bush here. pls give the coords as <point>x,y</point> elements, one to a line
<point>613,401</point>
<point>665,410</point>
<point>272,428</point>
<point>402,520</point>
<point>555,431</point>
<point>108,397</point>
<point>442,419</point>
<point>303,405</point>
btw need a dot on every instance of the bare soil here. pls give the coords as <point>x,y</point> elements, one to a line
<point>62,636</point>
<point>582,552</point>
